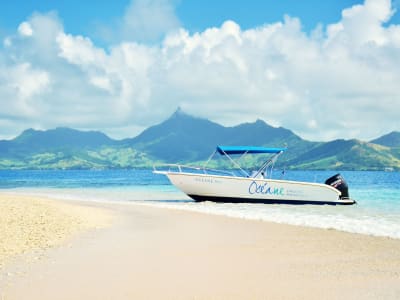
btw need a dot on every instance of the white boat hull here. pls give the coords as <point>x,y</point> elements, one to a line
<point>204,187</point>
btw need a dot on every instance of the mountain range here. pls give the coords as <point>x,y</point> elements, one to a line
<point>184,138</point>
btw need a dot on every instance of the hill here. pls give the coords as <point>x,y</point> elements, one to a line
<point>347,155</point>
<point>36,141</point>
<point>390,140</point>
<point>184,138</point>
<point>60,148</point>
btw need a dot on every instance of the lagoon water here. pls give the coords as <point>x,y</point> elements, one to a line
<point>377,211</point>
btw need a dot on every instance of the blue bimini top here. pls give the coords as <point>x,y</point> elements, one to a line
<point>247,149</point>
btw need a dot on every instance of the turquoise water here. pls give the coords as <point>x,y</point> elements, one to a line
<point>377,193</point>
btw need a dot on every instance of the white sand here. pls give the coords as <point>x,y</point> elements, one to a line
<point>154,253</point>
<point>29,223</point>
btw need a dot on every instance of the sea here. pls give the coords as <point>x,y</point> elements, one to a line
<point>376,213</point>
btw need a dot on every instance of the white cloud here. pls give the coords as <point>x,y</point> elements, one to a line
<point>7,42</point>
<point>339,81</point>
<point>148,20</point>
<point>79,50</point>
<point>26,81</point>
<point>25,29</point>
<point>143,21</point>
<point>362,24</point>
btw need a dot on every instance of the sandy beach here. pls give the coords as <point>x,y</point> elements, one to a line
<point>158,253</point>
<point>29,224</point>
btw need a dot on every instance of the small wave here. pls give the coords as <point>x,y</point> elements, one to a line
<point>361,224</point>
<point>354,219</point>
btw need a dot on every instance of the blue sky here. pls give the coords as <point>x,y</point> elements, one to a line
<point>83,17</point>
<point>325,69</point>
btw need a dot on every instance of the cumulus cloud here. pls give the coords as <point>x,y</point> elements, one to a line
<point>25,29</point>
<point>21,84</point>
<point>339,81</point>
<point>143,21</point>
<point>149,20</point>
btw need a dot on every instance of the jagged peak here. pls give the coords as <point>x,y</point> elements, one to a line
<point>179,112</point>
<point>181,115</point>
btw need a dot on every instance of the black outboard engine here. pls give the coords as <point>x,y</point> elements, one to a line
<point>338,182</point>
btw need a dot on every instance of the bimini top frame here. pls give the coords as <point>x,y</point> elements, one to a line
<point>243,150</point>
<point>224,150</point>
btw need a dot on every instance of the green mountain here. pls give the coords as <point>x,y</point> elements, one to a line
<point>65,148</point>
<point>349,155</point>
<point>60,139</point>
<point>390,140</point>
<point>184,138</point>
<point>179,138</point>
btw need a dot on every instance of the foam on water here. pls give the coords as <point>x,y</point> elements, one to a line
<point>378,221</point>
<point>377,193</point>
<point>326,217</point>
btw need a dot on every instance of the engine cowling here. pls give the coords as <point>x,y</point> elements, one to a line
<point>337,181</point>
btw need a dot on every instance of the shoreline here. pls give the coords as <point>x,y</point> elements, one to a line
<point>359,219</point>
<point>150,252</point>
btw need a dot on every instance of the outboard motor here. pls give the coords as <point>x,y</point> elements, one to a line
<point>338,182</point>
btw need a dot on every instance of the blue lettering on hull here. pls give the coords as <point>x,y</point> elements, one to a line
<point>264,189</point>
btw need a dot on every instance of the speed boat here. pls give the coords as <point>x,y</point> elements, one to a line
<point>237,185</point>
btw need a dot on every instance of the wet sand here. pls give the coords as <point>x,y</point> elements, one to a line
<point>158,253</point>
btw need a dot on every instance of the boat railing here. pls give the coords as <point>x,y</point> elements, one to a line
<point>192,169</point>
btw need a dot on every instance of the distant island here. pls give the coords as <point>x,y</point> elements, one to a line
<point>185,139</point>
